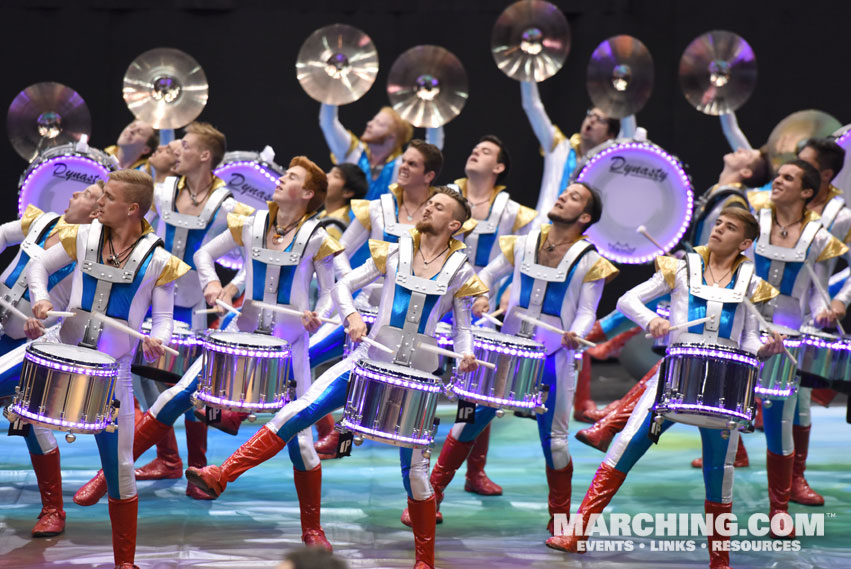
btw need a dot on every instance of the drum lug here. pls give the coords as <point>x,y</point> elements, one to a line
<point>659,419</point>
<point>195,401</point>
<point>540,409</point>
<point>447,390</point>
<point>358,440</point>
<point>725,434</point>
<point>732,425</point>
<point>71,437</point>
<point>766,402</point>
<point>500,413</point>
<point>426,453</point>
<point>251,417</point>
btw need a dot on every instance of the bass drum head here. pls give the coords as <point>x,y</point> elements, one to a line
<point>640,185</point>
<point>56,174</point>
<point>250,179</point>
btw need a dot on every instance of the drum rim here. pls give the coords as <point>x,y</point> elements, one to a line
<point>516,341</point>
<point>37,165</point>
<point>270,167</point>
<point>715,348</point>
<point>213,338</point>
<point>34,347</point>
<point>409,372</point>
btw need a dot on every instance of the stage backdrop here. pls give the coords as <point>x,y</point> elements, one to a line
<point>248,50</point>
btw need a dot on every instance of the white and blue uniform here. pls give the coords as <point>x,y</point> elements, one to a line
<point>146,281</point>
<point>409,309</point>
<point>565,296</point>
<point>733,326</point>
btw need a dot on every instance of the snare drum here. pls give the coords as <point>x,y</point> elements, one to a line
<point>369,315</point>
<point>708,386</point>
<point>246,372</point>
<point>58,172</point>
<point>393,404</point>
<point>168,368</point>
<point>779,378</point>
<point>66,388</point>
<point>250,177</point>
<point>515,384</point>
<point>640,184</point>
<point>824,356</point>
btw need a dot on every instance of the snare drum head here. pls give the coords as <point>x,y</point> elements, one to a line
<point>641,185</point>
<point>396,370</point>
<point>785,330</point>
<point>49,181</point>
<point>250,179</point>
<point>247,340</point>
<point>494,337</point>
<point>79,354</point>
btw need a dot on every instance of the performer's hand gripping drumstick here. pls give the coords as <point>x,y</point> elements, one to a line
<point>310,319</point>
<point>825,317</point>
<point>773,346</point>
<point>660,326</point>
<point>227,306</point>
<point>569,339</point>
<point>152,347</point>
<point>33,329</point>
<point>643,230</point>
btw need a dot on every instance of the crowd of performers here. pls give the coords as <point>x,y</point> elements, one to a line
<point>145,243</point>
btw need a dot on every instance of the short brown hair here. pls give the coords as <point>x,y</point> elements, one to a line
<point>211,138</point>
<point>403,130</point>
<point>466,210</point>
<point>152,143</point>
<point>746,218</point>
<point>316,181</point>
<point>760,171</point>
<point>432,156</point>
<point>138,187</point>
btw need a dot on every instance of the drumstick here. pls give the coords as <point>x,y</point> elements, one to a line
<point>823,293</point>
<point>61,313</point>
<point>206,311</point>
<point>13,310</point>
<point>749,305</point>
<point>555,329</point>
<point>489,318</point>
<point>127,330</point>
<point>686,325</point>
<point>379,345</point>
<point>643,230</point>
<point>227,306</point>
<point>451,354</point>
<point>290,311</point>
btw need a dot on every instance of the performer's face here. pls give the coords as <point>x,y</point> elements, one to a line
<point>83,205</point>
<point>163,158</point>
<point>336,181</point>
<point>483,160</point>
<point>113,206</point>
<point>727,236</point>
<point>787,187</point>
<point>378,129</point>
<point>570,206</point>
<point>440,214</point>
<point>136,133</point>
<point>595,129</point>
<point>290,187</point>
<point>412,172</point>
<point>192,155</point>
<point>741,159</point>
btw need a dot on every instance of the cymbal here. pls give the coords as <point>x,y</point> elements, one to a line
<point>337,64</point>
<point>620,76</point>
<point>530,40</point>
<point>718,72</point>
<point>427,86</point>
<point>45,115</point>
<point>784,139</point>
<point>166,88</point>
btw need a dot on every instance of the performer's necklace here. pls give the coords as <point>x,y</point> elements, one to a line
<point>115,259</point>
<point>426,263</point>
<point>281,231</point>
<point>784,231</point>
<point>194,196</point>
<point>550,247</point>
<point>717,281</point>
<point>408,213</point>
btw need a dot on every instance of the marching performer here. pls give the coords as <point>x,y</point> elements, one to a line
<point>135,145</point>
<point>346,182</point>
<point>38,231</point>
<point>711,281</point>
<point>117,247</point>
<point>430,276</point>
<point>557,277</point>
<point>190,210</point>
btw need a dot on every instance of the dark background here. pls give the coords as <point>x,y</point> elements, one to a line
<point>248,50</point>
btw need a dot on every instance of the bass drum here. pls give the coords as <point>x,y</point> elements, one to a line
<point>250,176</point>
<point>640,185</point>
<point>55,174</point>
<point>842,180</point>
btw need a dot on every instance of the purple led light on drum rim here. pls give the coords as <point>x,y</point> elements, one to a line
<point>249,352</point>
<point>662,311</point>
<point>387,436</point>
<point>248,163</point>
<point>187,340</point>
<point>717,410</point>
<point>368,318</point>
<point>23,194</point>
<point>843,138</point>
<point>817,342</point>
<point>18,410</point>
<point>463,394</point>
<point>770,392</point>
<point>409,384</point>
<point>110,371</point>
<point>644,146</point>
<point>511,351</point>
<point>711,353</point>
<point>210,398</point>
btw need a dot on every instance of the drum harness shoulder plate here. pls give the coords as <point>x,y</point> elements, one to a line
<point>183,222</point>
<point>388,212</point>
<point>715,298</point>
<point>33,250</point>
<point>488,226</point>
<point>542,275</point>
<point>420,288</point>
<point>107,275</point>
<point>274,260</point>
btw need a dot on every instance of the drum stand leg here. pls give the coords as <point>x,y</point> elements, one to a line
<point>51,520</point>
<point>718,557</point>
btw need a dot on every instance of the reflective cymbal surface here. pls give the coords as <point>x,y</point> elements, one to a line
<point>718,72</point>
<point>166,88</point>
<point>530,40</point>
<point>427,86</point>
<point>620,76</point>
<point>337,64</point>
<point>791,131</point>
<point>45,115</point>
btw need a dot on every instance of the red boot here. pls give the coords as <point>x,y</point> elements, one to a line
<point>801,491</point>
<point>124,514</point>
<point>559,483</point>
<point>308,486</point>
<point>51,520</point>
<point>167,464</point>
<point>329,438</point>
<point>823,396</point>
<point>148,432</point>
<point>196,444</point>
<point>452,456</point>
<point>719,554</point>
<point>214,479</point>
<point>779,486</point>
<point>477,481</point>
<point>757,420</point>
<point>740,461</point>
<point>582,402</point>
<point>600,434</point>
<point>605,484</point>
<point>422,520</point>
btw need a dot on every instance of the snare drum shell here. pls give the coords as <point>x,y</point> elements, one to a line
<point>168,368</point>
<point>827,358</point>
<point>779,375</point>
